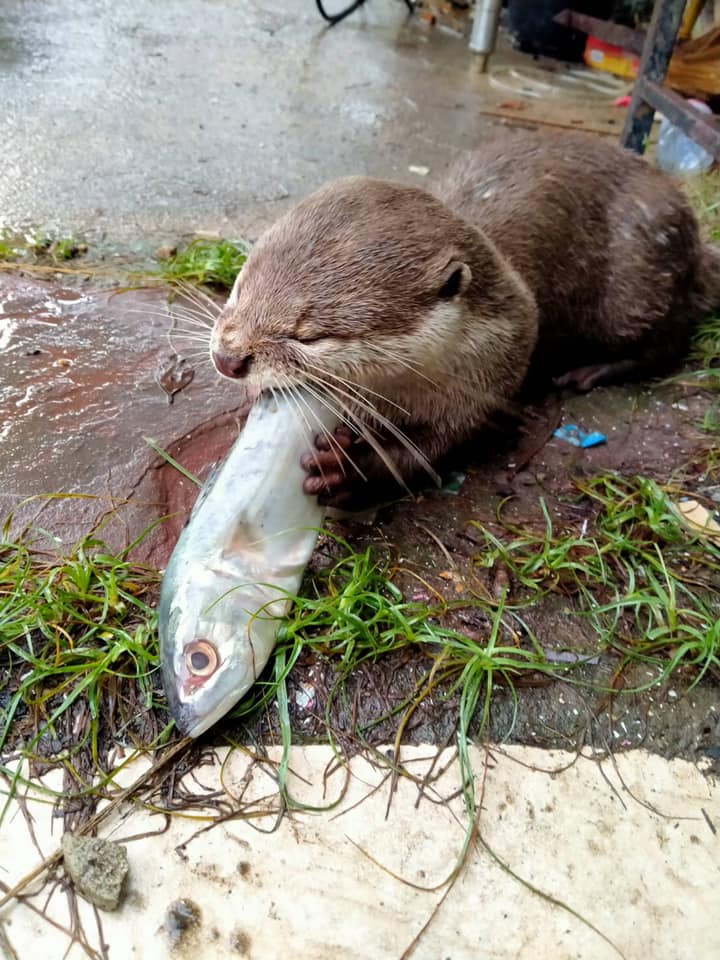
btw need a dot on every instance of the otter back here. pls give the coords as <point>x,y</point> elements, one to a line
<point>608,245</point>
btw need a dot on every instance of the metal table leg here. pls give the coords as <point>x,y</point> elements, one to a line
<point>657,51</point>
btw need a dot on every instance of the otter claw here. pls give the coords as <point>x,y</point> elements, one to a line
<point>325,465</point>
<point>342,437</point>
<point>329,483</point>
<point>584,379</point>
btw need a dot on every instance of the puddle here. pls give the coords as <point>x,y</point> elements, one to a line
<point>85,365</point>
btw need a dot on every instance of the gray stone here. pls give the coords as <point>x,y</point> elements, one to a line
<point>97,868</point>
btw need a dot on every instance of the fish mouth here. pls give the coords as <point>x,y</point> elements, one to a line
<point>193,719</point>
<point>187,719</point>
<point>190,723</point>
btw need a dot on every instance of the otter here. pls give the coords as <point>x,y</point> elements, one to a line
<point>420,316</point>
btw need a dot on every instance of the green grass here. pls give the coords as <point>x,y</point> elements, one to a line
<point>82,629</point>
<point>214,263</point>
<point>703,191</point>
<point>354,612</point>
<point>706,355</point>
<point>711,419</point>
<point>75,630</point>
<point>647,582</point>
<point>39,248</point>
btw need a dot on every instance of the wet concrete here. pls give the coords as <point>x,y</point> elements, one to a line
<point>213,114</point>
<point>139,121</point>
<point>72,420</point>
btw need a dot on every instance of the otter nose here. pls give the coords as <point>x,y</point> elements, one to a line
<point>235,367</point>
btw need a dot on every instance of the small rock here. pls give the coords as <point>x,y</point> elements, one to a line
<point>712,492</point>
<point>526,478</point>
<point>165,252</point>
<point>97,868</point>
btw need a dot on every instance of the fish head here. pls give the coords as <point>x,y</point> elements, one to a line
<point>212,649</point>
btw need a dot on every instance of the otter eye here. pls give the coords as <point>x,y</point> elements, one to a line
<point>201,658</point>
<point>451,287</point>
<point>309,337</point>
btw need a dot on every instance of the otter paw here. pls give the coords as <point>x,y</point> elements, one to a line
<point>329,470</point>
<point>584,379</point>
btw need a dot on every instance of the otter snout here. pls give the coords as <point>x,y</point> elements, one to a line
<point>231,366</point>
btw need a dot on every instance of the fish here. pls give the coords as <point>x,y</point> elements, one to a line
<point>239,561</point>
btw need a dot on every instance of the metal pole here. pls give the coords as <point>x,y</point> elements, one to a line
<point>485,29</point>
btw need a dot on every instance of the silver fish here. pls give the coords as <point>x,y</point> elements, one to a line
<point>238,561</point>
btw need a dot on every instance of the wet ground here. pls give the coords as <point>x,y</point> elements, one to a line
<point>136,122</point>
<point>71,425</point>
<point>133,124</point>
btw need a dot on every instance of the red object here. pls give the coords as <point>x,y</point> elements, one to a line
<point>606,56</point>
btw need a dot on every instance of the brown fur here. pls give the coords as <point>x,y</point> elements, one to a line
<point>608,245</point>
<point>565,250</point>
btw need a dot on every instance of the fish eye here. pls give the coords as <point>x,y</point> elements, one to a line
<point>201,658</point>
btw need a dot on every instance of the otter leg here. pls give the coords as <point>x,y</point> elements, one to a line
<point>583,379</point>
<point>349,469</point>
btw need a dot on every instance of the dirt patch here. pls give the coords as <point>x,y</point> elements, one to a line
<point>79,427</point>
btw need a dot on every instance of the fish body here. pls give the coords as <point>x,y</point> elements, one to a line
<point>238,562</point>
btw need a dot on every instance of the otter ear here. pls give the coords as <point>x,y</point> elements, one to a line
<point>456,280</point>
<point>233,298</point>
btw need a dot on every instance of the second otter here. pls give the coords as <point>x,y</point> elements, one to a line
<point>419,316</point>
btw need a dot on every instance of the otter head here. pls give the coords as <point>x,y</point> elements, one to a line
<point>363,282</point>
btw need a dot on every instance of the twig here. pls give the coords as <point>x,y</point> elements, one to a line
<point>94,822</point>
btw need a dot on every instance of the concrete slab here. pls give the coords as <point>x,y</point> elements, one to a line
<point>629,844</point>
<point>136,120</point>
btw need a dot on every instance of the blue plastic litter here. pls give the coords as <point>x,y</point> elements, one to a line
<point>571,433</point>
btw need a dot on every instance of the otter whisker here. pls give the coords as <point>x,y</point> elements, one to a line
<point>195,326</point>
<point>192,331</point>
<point>169,310</point>
<point>292,395</point>
<point>367,432</point>
<point>371,435</point>
<point>447,375</point>
<point>197,353</point>
<point>183,313</point>
<point>356,386</point>
<point>384,353</point>
<point>286,389</point>
<point>332,441</point>
<point>291,392</point>
<point>193,336</point>
<point>401,437</point>
<point>187,335</point>
<point>205,304</point>
<point>204,301</point>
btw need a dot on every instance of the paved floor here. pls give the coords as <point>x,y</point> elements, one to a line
<point>142,118</point>
<point>629,844</point>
